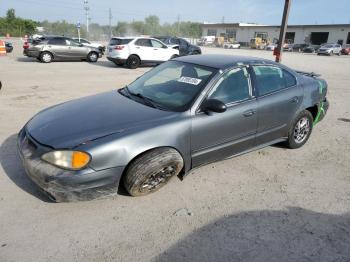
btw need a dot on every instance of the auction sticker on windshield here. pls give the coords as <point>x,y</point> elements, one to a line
<point>189,80</point>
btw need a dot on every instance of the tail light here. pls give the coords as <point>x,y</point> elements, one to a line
<point>119,47</point>
<point>25,45</point>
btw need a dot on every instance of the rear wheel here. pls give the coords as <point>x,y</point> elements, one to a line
<point>152,170</point>
<point>92,57</point>
<point>46,57</point>
<point>300,130</point>
<point>133,62</point>
<point>195,53</point>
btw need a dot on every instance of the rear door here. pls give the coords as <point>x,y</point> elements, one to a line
<point>144,49</point>
<point>219,135</point>
<point>279,97</point>
<point>58,47</point>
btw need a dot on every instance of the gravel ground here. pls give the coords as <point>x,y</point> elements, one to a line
<point>273,204</point>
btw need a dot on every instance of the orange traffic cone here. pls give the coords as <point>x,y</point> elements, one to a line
<point>2,48</point>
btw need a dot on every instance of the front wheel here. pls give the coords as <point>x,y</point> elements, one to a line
<point>174,56</point>
<point>92,57</point>
<point>152,170</point>
<point>300,130</point>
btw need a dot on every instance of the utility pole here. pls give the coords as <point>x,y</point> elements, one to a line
<point>223,20</point>
<point>278,51</point>
<point>110,23</point>
<point>178,25</point>
<point>87,9</point>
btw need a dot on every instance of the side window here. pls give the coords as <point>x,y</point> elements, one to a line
<point>233,86</point>
<point>175,41</point>
<point>183,43</point>
<point>270,79</point>
<point>143,42</point>
<point>71,42</point>
<point>289,79</point>
<point>157,44</point>
<point>57,41</point>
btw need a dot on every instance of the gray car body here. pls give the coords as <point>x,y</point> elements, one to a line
<point>60,52</point>
<point>115,130</point>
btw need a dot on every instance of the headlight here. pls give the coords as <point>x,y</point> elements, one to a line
<point>67,159</point>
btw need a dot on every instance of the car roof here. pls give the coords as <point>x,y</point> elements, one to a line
<point>222,61</point>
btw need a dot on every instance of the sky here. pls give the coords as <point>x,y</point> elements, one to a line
<point>215,11</point>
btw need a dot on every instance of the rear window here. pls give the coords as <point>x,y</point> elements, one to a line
<point>120,41</point>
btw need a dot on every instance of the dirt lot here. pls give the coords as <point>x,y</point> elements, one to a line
<point>270,205</point>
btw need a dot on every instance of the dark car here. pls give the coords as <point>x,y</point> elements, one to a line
<point>311,49</point>
<point>9,47</point>
<point>185,48</point>
<point>182,114</point>
<point>53,48</point>
<point>298,47</point>
<point>346,50</point>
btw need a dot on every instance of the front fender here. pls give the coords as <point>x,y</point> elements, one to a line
<point>119,149</point>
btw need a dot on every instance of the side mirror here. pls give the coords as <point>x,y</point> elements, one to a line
<point>81,45</point>
<point>213,105</point>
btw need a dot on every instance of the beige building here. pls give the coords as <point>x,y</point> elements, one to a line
<point>298,34</point>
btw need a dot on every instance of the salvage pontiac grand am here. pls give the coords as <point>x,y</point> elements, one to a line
<point>182,114</point>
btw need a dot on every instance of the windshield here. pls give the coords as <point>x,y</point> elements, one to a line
<point>327,46</point>
<point>173,85</point>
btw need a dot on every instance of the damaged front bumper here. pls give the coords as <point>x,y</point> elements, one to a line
<point>65,185</point>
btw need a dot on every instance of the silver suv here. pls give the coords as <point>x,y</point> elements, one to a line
<point>329,49</point>
<point>49,48</point>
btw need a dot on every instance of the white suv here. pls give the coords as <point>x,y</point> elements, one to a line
<point>134,51</point>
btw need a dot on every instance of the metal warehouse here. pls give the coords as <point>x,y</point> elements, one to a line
<point>298,34</point>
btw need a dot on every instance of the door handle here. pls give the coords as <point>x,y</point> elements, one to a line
<point>137,47</point>
<point>249,113</point>
<point>294,100</point>
<point>155,49</point>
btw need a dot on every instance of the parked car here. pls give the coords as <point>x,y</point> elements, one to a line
<point>134,51</point>
<point>329,49</point>
<point>85,42</point>
<point>288,47</point>
<point>298,47</point>
<point>185,48</point>
<point>182,114</point>
<point>206,40</point>
<point>53,48</point>
<point>346,50</point>
<point>235,45</point>
<point>311,49</point>
<point>8,47</point>
<point>271,47</point>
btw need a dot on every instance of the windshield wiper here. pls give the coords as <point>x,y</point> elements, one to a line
<point>149,101</point>
<point>146,99</point>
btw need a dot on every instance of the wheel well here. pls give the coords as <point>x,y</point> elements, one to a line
<point>45,51</point>
<point>135,55</point>
<point>145,152</point>
<point>313,110</point>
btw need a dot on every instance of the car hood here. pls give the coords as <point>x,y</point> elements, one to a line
<point>72,123</point>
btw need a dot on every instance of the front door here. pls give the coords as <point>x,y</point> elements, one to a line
<point>279,98</point>
<point>160,51</point>
<point>219,135</point>
<point>75,51</point>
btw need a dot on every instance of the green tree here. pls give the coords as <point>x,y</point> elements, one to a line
<point>11,14</point>
<point>121,28</point>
